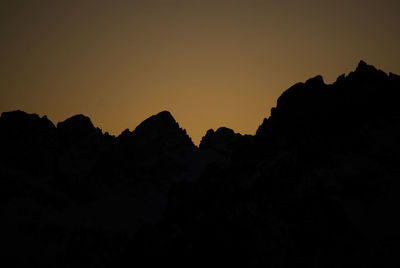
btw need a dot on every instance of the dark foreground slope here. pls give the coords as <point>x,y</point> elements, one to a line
<point>317,186</point>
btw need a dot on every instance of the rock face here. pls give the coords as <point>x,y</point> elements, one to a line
<point>336,113</point>
<point>158,133</point>
<point>223,140</point>
<point>82,147</point>
<point>156,149</point>
<point>27,143</point>
<point>317,186</point>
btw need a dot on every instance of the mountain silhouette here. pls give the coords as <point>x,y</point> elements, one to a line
<point>316,186</point>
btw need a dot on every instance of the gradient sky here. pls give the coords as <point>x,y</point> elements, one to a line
<point>210,63</point>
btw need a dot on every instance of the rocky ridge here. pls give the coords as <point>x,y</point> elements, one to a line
<point>317,185</point>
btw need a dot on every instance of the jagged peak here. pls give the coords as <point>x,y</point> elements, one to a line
<point>125,132</point>
<point>362,64</point>
<point>215,138</point>
<point>161,125</point>
<point>210,131</point>
<point>304,101</point>
<point>222,131</point>
<point>77,127</point>
<point>340,78</point>
<point>161,121</point>
<point>290,97</point>
<point>165,114</point>
<point>18,114</point>
<point>21,117</point>
<point>366,73</point>
<point>315,81</point>
<point>79,120</point>
<point>363,67</point>
<point>363,70</point>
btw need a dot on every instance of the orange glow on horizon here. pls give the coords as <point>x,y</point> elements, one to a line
<point>210,63</point>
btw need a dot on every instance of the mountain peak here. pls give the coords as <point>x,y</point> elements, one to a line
<point>76,127</point>
<point>364,67</point>
<point>22,119</point>
<point>362,64</point>
<point>220,140</point>
<point>76,121</point>
<point>164,116</point>
<point>161,126</point>
<point>315,81</point>
<point>161,121</point>
<point>164,113</point>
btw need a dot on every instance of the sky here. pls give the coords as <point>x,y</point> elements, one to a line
<point>210,63</point>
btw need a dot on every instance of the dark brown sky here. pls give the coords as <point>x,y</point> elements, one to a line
<point>211,63</point>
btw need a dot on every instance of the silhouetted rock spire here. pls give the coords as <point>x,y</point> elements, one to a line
<point>363,67</point>
<point>158,130</point>
<point>162,121</point>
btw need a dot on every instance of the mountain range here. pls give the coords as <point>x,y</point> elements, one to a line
<point>316,186</point>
